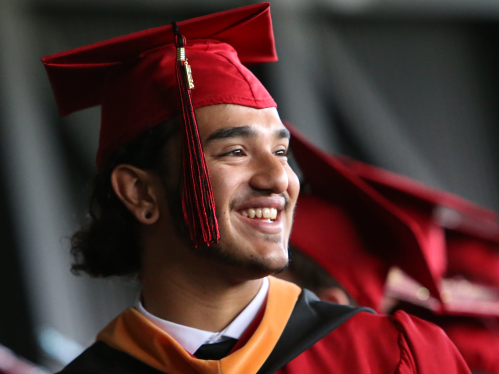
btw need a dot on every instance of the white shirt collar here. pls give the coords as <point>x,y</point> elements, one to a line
<point>191,339</point>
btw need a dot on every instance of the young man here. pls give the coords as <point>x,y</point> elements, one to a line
<point>203,221</point>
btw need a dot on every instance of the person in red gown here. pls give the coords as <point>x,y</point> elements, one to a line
<point>194,196</point>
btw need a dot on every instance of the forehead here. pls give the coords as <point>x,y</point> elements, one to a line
<point>216,117</point>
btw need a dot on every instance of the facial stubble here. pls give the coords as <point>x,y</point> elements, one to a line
<point>224,253</point>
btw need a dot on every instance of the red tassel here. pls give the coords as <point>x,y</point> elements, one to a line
<point>198,203</point>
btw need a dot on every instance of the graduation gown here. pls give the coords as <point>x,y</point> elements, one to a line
<point>296,334</point>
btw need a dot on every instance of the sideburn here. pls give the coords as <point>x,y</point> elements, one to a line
<point>170,171</point>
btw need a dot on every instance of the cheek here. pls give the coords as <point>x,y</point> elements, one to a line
<point>293,187</point>
<point>224,182</point>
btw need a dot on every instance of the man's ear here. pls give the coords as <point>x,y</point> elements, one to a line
<point>138,190</point>
<point>334,295</point>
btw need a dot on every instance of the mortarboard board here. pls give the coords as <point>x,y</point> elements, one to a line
<point>140,80</point>
<point>79,76</point>
<point>352,231</point>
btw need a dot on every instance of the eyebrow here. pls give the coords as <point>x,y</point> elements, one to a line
<point>244,132</point>
<point>283,134</point>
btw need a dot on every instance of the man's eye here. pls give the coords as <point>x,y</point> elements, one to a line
<point>235,152</point>
<point>282,152</point>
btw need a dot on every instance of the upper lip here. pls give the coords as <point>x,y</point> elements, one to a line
<point>277,202</point>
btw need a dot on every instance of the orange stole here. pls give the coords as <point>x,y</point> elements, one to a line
<point>132,333</point>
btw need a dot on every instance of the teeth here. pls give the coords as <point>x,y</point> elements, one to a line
<point>268,213</point>
<point>273,213</point>
<point>251,213</point>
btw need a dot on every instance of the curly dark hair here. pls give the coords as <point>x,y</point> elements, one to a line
<point>107,244</point>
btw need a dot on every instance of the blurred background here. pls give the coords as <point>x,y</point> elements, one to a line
<point>410,86</point>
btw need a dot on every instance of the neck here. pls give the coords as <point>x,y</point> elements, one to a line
<point>187,290</point>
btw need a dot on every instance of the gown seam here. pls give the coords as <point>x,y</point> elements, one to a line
<point>403,353</point>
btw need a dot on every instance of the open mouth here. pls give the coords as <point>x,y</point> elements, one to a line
<point>263,214</point>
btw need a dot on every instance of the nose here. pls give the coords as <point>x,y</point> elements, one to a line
<point>269,174</point>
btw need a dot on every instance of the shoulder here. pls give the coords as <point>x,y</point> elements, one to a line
<point>401,325</point>
<point>398,323</point>
<point>425,340</point>
<point>102,359</point>
<point>416,328</point>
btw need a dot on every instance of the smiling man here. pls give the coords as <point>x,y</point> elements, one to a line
<point>195,196</point>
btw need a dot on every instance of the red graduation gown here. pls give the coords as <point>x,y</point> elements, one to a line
<point>369,343</point>
<point>353,341</point>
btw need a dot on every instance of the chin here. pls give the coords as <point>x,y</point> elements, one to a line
<point>258,268</point>
<point>272,260</point>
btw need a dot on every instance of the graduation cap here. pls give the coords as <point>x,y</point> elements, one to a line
<point>351,230</point>
<point>147,77</point>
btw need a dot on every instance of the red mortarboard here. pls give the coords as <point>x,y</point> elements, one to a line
<point>139,82</point>
<point>350,229</point>
<point>133,76</point>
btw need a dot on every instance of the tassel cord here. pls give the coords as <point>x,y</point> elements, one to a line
<point>198,202</point>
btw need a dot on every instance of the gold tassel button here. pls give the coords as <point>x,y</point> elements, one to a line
<point>181,54</point>
<point>188,75</point>
<point>187,68</point>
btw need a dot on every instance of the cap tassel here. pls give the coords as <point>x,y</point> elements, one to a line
<point>198,202</point>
